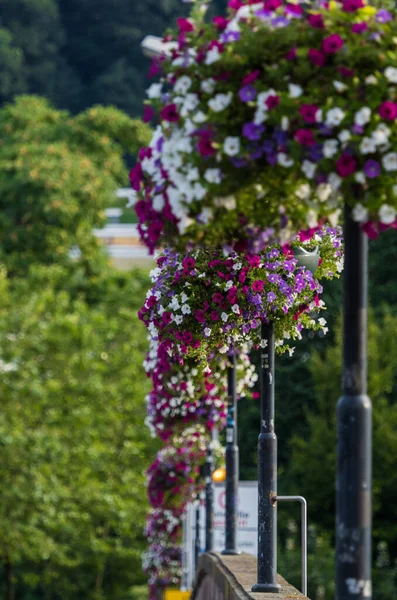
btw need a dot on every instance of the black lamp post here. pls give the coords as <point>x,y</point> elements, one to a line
<point>354,429</point>
<point>209,501</point>
<point>267,471</point>
<point>267,451</point>
<point>231,460</point>
<point>197,545</point>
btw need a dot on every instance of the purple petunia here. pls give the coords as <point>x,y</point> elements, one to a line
<point>383,16</point>
<point>372,168</point>
<point>247,93</point>
<point>252,131</point>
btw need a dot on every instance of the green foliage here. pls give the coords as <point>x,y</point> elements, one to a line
<point>73,449</point>
<point>57,174</point>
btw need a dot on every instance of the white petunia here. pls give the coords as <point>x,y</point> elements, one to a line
<point>207,331</point>
<point>322,322</point>
<point>193,174</point>
<point>367,146</point>
<point>330,148</point>
<point>371,80</point>
<point>231,146</point>
<point>284,160</point>
<point>158,202</point>
<point>199,191</point>
<point>344,136</point>
<point>362,116</point>
<point>391,74</point>
<point>191,103</point>
<point>387,214</point>
<point>339,86</point>
<point>213,175</point>
<point>284,123</point>
<point>360,177</point>
<point>381,134</point>
<point>178,319</point>
<point>236,309</point>
<point>312,218</point>
<point>182,85</point>
<point>200,117</point>
<point>334,117</point>
<point>212,56</point>
<point>308,168</point>
<point>389,161</point>
<point>334,181</point>
<point>295,90</point>
<point>360,213</point>
<point>155,90</point>
<point>220,101</point>
<point>208,85</point>
<point>224,317</point>
<point>323,191</point>
<point>186,309</point>
<point>205,217</point>
<point>303,191</point>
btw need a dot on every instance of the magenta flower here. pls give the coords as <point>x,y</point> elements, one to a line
<point>166,318</point>
<point>316,57</point>
<point>372,168</point>
<point>388,110</point>
<point>345,72</point>
<point>316,21</point>
<point>352,5</point>
<point>258,284</point>
<point>148,113</point>
<point>272,102</point>
<point>291,54</point>
<point>205,146</point>
<point>136,177</point>
<point>346,165</point>
<point>200,316</point>
<point>217,298</point>
<point>359,27</point>
<point>220,23</point>
<point>294,10</point>
<point>235,4</point>
<point>188,263</point>
<point>169,113</point>
<point>332,43</point>
<point>308,112</point>
<point>305,137</point>
<point>251,77</point>
<point>185,26</point>
<point>271,5</point>
<point>214,315</point>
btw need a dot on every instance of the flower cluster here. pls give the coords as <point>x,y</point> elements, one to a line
<point>184,392</point>
<point>269,118</point>
<point>204,302</point>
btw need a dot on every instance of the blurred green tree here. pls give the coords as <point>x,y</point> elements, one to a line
<point>73,448</point>
<point>57,175</point>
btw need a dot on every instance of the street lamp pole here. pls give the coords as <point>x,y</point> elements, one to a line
<point>354,429</point>
<point>209,500</point>
<point>267,471</point>
<point>231,460</point>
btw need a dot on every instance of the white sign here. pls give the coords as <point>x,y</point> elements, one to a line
<point>247,532</point>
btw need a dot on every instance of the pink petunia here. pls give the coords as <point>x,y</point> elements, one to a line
<point>220,23</point>
<point>136,177</point>
<point>308,112</point>
<point>332,43</point>
<point>359,27</point>
<point>185,26</point>
<point>352,5</point>
<point>200,316</point>
<point>291,54</point>
<point>316,21</point>
<point>316,57</point>
<point>148,113</point>
<point>258,285</point>
<point>305,137</point>
<point>271,5</point>
<point>346,165</point>
<point>388,110</point>
<point>272,101</point>
<point>251,77</point>
<point>205,146</point>
<point>170,113</point>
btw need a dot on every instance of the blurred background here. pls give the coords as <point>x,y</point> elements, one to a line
<point>73,448</point>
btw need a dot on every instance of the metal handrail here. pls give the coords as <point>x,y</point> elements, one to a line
<point>303,504</point>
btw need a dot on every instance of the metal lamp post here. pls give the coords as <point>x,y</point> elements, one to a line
<point>267,452</point>
<point>209,501</point>
<point>354,429</point>
<point>231,460</point>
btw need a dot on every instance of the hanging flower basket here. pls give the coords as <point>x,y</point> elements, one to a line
<point>269,119</point>
<point>205,302</point>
